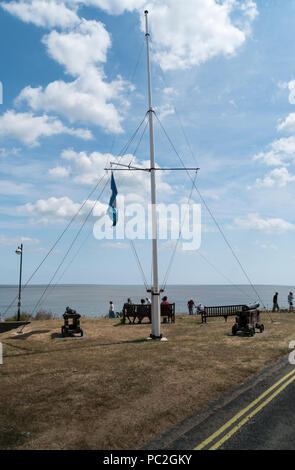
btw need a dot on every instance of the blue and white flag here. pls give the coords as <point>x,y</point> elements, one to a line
<point>112,211</point>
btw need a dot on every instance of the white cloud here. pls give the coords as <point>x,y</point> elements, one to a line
<point>15,241</point>
<point>86,99</point>
<point>116,245</point>
<point>88,168</point>
<point>190,35</point>
<point>55,210</point>
<point>269,225</point>
<point>164,111</point>
<point>169,91</point>
<point>278,177</point>
<point>187,36</point>
<point>280,150</point>
<point>46,13</point>
<point>85,45</point>
<point>291,86</point>
<point>269,246</point>
<point>59,172</point>
<point>89,98</point>
<point>6,152</point>
<point>182,37</point>
<point>29,128</point>
<point>288,124</point>
<point>113,7</point>
<point>9,188</point>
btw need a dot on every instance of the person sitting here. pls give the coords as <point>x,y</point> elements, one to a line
<point>141,310</point>
<point>200,309</point>
<point>165,301</point>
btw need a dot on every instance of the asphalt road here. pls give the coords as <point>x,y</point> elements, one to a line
<point>259,415</point>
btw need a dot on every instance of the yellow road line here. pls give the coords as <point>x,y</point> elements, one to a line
<point>241,413</point>
<point>250,415</point>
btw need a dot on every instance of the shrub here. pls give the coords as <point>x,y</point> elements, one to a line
<point>44,315</point>
<point>24,316</point>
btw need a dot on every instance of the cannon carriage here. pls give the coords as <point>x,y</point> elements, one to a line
<point>71,323</point>
<point>248,320</point>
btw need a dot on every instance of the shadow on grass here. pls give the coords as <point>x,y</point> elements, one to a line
<point>11,439</point>
<point>75,348</point>
<point>24,336</point>
<point>131,323</point>
<point>242,334</point>
<point>60,336</point>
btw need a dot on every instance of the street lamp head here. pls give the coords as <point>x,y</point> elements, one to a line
<point>18,251</point>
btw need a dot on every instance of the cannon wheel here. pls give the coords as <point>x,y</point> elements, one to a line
<point>252,331</point>
<point>63,331</point>
<point>234,329</point>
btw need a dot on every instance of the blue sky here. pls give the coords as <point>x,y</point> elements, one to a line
<point>70,97</point>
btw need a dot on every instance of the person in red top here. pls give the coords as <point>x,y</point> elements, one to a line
<point>165,301</point>
<point>191,305</point>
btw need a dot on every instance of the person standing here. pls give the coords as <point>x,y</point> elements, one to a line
<point>290,301</point>
<point>148,301</point>
<point>275,303</point>
<point>112,310</point>
<point>191,305</point>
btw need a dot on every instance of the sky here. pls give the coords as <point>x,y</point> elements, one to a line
<point>74,91</point>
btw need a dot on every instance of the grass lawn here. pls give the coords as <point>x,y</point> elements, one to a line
<point>114,390</point>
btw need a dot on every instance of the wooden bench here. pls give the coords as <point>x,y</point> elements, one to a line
<point>223,311</point>
<point>131,312</point>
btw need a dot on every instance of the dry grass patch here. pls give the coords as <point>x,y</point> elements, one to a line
<point>114,390</point>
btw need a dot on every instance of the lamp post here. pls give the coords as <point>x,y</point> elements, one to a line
<point>19,251</point>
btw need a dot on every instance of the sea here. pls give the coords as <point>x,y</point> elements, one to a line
<point>93,300</point>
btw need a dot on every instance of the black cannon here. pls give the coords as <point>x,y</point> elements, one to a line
<point>247,320</point>
<point>71,323</point>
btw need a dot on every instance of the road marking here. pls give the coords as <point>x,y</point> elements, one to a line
<point>242,412</point>
<point>250,415</point>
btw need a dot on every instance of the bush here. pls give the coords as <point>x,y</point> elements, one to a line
<point>24,316</point>
<point>44,315</point>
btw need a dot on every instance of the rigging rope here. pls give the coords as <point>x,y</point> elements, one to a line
<point>224,276</point>
<point>139,264</point>
<point>66,268</point>
<point>56,242</point>
<point>136,255</point>
<point>123,150</point>
<point>70,247</point>
<point>211,214</point>
<point>140,140</point>
<point>177,241</point>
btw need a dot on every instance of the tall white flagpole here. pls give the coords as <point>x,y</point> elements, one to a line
<point>156,314</point>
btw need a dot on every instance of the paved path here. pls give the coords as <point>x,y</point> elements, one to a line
<point>260,414</point>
